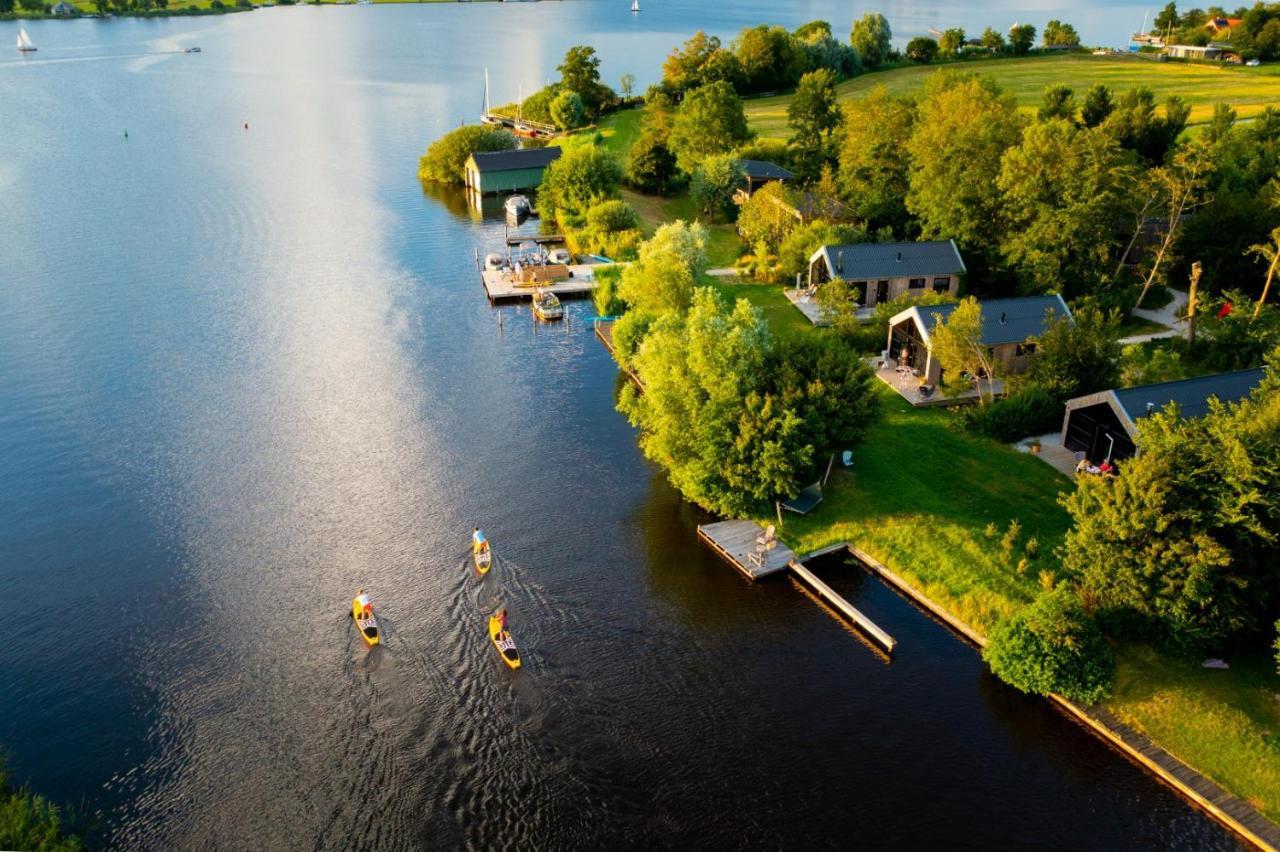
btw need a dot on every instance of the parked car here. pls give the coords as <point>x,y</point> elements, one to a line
<point>1253,63</point>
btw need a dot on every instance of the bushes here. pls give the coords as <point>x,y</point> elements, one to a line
<point>651,167</point>
<point>567,110</point>
<point>605,296</point>
<point>1052,646</point>
<point>31,822</point>
<point>1033,410</point>
<point>583,176</point>
<point>445,159</point>
<point>612,229</point>
<point>714,184</point>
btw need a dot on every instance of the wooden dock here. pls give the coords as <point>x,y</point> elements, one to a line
<point>736,542</point>
<point>505,287</point>
<point>842,606</point>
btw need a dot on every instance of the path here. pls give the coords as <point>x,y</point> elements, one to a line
<point>1168,316</point>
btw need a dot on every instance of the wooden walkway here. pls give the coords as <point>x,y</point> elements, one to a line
<point>842,606</point>
<point>736,542</point>
<point>503,287</point>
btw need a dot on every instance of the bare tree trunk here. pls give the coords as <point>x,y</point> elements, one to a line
<point>1266,288</point>
<point>1191,302</point>
<point>1137,232</point>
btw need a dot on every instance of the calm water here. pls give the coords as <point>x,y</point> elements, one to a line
<point>244,372</point>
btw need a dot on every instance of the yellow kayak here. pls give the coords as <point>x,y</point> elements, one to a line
<point>368,626</point>
<point>482,559</point>
<point>503,642</point>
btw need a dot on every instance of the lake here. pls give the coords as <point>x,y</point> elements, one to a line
<point>246,366</point>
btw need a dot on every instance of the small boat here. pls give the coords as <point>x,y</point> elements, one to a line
<point>635,5</point>
<point>192,50</point>
<point>546,306</point>
<point>502,640</point>
<point>516,205</point>
<point>24,41</point>
<point>368,626</point>
<point>494,262</point>
<point>559,256</point>
<point>483,559</point>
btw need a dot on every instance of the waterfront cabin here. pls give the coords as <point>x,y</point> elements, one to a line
<point>489,172</point>
<point>1009,329</point>
<point>1208,53</point>
<point>758,173</point>
<point>63,9</point>
<point>1104,426</point>
<point>884,271</point>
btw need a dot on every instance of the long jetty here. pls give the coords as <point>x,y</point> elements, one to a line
<point>842,606</point>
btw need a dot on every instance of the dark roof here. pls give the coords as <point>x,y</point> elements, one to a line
<point>870,261</point>
<point>764,170</point>
<point>1003,320</point>
<point>1192,395</point>
<point>521,158</point>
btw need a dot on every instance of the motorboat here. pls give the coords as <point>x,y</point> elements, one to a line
<point>546,306</point>
<point>560,256</point>
<point>517,205</point>
<point>192,50</point>
<point>494,262</point>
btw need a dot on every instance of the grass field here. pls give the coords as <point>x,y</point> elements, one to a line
<point>722,240</point>
<point>1247,90</point>
<point>781,315</point>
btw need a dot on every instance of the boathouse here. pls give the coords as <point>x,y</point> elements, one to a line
<point>1104,426</point>
<point>884,271</point>
<point>1009,329</point>
<point>488,172</point>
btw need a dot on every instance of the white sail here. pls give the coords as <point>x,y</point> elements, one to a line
<point>635,5</point>
<point>24,40</point>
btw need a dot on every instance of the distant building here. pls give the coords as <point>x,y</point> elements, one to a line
<point>1104,426</point>
<point>885,271</point>
<point>63,9</point>
<point>1009,329</point>
<point>1222,27</point>
<point>508,171</point>
<point>760,172</point>
<point>1211,53</point>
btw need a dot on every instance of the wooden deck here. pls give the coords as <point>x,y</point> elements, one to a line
<point>504,287</point>
<point>736,542</point>
<point>842,606</point>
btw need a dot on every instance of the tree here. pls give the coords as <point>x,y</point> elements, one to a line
<point>1063,191</point>
<point>766,217</point>
<point>6,6</point>
<point>872,38</point>
<point>1269,252</point>
<point>874,163</point>
<point>769,57</point>
<point>1059,102</point>
<point>1181,186</point>
<point>1182,542</point>
<point>651,167</point>
<point>627,84</point>
<point>813,116</point>
<point>682,69</point>
<point>1058,34</point>
<point>959,347</point>
<point>1052,646</point>
<point>992,40</point>
<point>1136,126</point>
<point>1078,357</point>
<point>581,177</point>
<point>803,240</point>
<point>1021,38</point>
<point>951,41</point>
<point>714,184</point>
<point>821,49</point>
<point>445,160</point>
<point>709,121</point>
<point>567,110</point>
<point>963,126</point>
<point>922,49</point>
<point>1167,19</point>
<point>1097,105</point>
<point>580,72</point>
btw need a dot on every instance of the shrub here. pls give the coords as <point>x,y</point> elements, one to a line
<point>1031,411</point>
<point>1009,541</point>
<point>1052,646</point>
<point>612,215</point>
<point>922,49</point>
<point>567,110</point>
<point>583,176</point>
<point>447,156</point>
<point>714,184</point>
<point>651,167</point>
<point>28,821</point>
<point>629,332</point>
<point>605,296</point>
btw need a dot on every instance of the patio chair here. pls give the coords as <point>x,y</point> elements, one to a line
<point>767,539</point>
<point>847,458</point>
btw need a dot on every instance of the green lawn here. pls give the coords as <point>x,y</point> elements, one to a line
<point>723,243</point>
<point>620,129</point>
<point>920,497</point>
<point>1248,90</point>
<point>782,316</point>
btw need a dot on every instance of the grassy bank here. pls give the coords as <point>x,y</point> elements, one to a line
<point>1247,90</point>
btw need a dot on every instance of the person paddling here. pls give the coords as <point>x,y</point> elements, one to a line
<point>363,600</point>
<point>478,542</point>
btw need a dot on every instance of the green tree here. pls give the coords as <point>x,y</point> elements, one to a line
<point>651,167</point>
<point>769,58</point>
<point>959,347</point>
<point>874,164</point>
<point>964,124</point>
<point>580,72</point>
<point>803,240</point>
<point>1058,34</point>
<point>1167,19</point>
<point>1078,356</point>
<point>813,116</point>
<point>766,217</point>
<point>28,821</point>
<point>714,184</point>
<point>1136,125</point>
<point>663,276</point>
<point>567,110</point>
<point>6,6</point>
<point>1097,105</point>
<point>581,177</point>
<point>872,38</point>
<point>821,49</point>
<point>992,40</point>
<point>682,69</point>
<point>710,120</point>
<point>1182,542</point>
<point>922,49</point>
<point>951,41</point>
<point>445,160</point>
<point>1021,38</point>
<point>627,84</point>
<point>1059,102</point>
<point>1063,190</point>
<point>1052,646</point>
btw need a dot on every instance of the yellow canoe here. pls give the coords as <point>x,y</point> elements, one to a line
<point>502,640</point>
<point>483,559</point>
<point>368,626</point>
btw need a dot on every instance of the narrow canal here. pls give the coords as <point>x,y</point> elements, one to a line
<point>246,369</point>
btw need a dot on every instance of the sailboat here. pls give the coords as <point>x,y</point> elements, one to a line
<point>487,117</point>
<point>635,5</point>
<point>24,41</point>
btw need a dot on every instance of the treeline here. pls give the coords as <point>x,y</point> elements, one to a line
<point>1257,36</point>
<point>140,8</point>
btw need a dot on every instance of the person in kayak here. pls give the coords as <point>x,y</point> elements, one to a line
<point>478,541</point>
<point>502,618</point>
<point>363,600</point>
